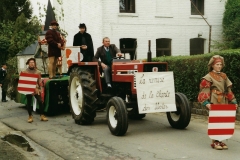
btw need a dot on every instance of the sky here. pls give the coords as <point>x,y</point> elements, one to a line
<point>35,7</point>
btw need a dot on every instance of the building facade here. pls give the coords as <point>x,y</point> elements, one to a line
<point>174,27</point>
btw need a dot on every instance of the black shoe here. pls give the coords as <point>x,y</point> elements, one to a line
<point>109,90</point>
<point>4,100</point>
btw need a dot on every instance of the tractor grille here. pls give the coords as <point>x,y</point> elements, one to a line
<point>149,67</point>
<point>135,71</point>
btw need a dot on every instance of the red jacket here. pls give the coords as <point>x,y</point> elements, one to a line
<point>53,37</point>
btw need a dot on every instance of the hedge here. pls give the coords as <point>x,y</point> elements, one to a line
<point>188,71</point>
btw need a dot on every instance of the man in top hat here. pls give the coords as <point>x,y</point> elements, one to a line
<point>3,74</point>
<point>55,44</point>
<point>84,40</point>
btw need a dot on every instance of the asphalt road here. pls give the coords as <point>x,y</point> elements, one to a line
<point>148,139</point>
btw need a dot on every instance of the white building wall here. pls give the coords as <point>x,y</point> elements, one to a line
<point>153,19</point>
<point>81,11</point>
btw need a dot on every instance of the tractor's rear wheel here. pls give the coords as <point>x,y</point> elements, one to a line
<point>82,95</point>
<point>180,119</point>
<point>117,116</point>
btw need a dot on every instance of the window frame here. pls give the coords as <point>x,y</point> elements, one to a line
<point>126,6</point>
<point>200,6</point>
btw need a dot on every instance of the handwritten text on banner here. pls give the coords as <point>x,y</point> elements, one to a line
<point>155,92</point>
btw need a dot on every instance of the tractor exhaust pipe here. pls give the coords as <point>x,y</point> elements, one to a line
<point>149,53</point>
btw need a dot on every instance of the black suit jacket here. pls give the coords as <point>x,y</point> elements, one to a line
<point>101,53</point>
<point>3,74</point>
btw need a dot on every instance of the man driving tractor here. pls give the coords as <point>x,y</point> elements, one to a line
<point>106,53</point>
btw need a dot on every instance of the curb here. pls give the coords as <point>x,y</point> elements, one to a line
<point>39,151</point>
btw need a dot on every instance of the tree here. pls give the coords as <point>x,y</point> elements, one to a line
<point>231,24</point>
<point>6,31</point>
<point>16,36</point>
<point>10,10</point>
<point>25,33</point>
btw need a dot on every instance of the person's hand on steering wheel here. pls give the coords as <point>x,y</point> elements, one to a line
<point>119,55</point>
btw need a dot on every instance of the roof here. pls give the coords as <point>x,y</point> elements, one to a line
<point>30,50</point>
<point>50,16</point>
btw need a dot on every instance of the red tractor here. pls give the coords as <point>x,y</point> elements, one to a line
<point>88,93</point>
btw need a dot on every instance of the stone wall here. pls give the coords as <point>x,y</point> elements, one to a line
<point>197,108</point>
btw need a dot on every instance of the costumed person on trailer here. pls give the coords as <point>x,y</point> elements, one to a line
<point>55,44</point>
<point>215,88</point>
<point>31,69</point>
<point>59,60</point>
<point>84,40</point>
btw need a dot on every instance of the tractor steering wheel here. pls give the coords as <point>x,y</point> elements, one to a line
<point>119,57</point>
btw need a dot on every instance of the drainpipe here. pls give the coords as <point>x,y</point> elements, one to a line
<point>210,27</point>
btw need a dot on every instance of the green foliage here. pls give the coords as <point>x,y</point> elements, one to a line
<point>6,32</point>
<point>16,36</point>
<point>12,82</point>
<point>231,24</point>
<point>25,33</point>
<point>4,45</point>
<point>10,10</point>
<point>188,71</point>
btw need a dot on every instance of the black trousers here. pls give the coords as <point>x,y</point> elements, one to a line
<point>29,104</point>
<point>3,94</point>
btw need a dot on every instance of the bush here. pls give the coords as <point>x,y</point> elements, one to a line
<point>188,71</point>
<point>231,24</point>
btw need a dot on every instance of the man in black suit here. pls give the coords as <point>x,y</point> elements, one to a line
<point>106,52</point>
<point>3,74</point>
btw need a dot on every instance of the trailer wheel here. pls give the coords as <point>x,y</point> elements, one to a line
<point>82,95</point>
<point>180,119</point>
<point>117,116</point>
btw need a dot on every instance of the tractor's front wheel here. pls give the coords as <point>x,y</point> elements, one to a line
<point>180,119</point>
<point>83,95</point>
<point>117,116</point>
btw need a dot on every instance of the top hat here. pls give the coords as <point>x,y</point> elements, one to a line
<point>54,23</point>
<point>82,25</point>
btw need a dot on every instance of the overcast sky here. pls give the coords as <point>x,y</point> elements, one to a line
<point>35,7</point>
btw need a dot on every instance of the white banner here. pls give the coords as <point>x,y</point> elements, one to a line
<point>155,92</point>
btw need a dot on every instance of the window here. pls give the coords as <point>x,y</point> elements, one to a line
<point>199,5</point>
<point>163,47</point>
<point>196,46</point>
<point>127,6</point>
